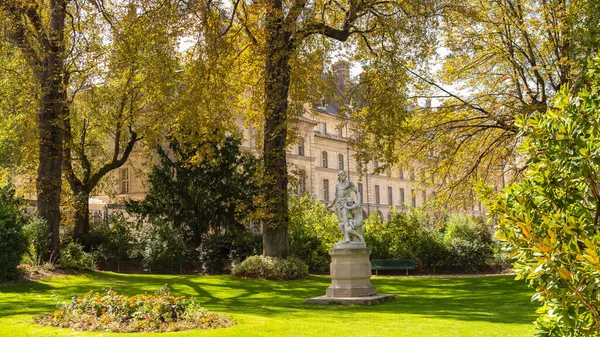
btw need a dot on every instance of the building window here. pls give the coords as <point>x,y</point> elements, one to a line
<point>341,162</point>
<point>402,197</point>
<point>301,146</point>
<point>413,198</point>
<point>375,164</point>
<point>323,128</point>
<point>124,175</point>
<point>302,182</point>
<point>412,174</point>
<point>390,197</point>
<point>389,216</point>
<point>424,197</point>
<point>252,136</point>
<point>377,194</point>
<point>401,174</point>
<point>339,132</point>
<point>360,191</point>
<point>326,189</point>
<point>380,215</point>
<point>324,159</point>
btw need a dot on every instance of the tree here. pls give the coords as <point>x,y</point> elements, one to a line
<point>201,188</point>
<point>102,69</point>
<point>38,30</point>
<point>124,89</point>
<point>284,35</point>
<point>17,96</point>
<point>552,217</point>
<point>499,59</point>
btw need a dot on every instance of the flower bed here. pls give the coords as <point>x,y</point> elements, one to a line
<point>112,312</point>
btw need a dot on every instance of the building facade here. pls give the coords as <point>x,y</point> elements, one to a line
<point>322,150</point>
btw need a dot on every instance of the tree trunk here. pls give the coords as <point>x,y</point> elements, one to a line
<point>277,82</point>
<point>82,215</point>
<point>49,169</point>
<point>51,76</point>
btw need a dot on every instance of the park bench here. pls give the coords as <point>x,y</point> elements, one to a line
<point>402,264</point>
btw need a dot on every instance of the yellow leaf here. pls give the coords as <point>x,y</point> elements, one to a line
<point>565,274</point>
<point>524,228</point>
<point>592,259</point>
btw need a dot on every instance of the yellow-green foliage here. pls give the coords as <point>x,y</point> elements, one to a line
<point>109,311</point>
<point>552,216</point>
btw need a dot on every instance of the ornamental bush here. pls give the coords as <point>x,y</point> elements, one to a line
<point>112,240</point>
<point>271,268</point>
<point>552,217</point>
<point>164,246</point>
<point>109,311</point>
<point>72,257</point>
<point>13,243</point>
<point>468,243</point>
<point>405,236</point>
<point>219,250</point>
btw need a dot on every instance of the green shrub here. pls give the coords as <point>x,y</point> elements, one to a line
<point>72,257</point>
<point>109,311</point>
<point>465,255</point>
<point>501,260</point>
<point>13,243</point>
<point>112,240</point>
<point>405,236</point>
<point>220,249</point>
<point>164,247</point>
<point>38,237</point>
<point>313,230</point>
<point>552,217</point>
<point>468,243</point>
<point>271,268</point>
<point>460,226</point>
<point>200,187</point>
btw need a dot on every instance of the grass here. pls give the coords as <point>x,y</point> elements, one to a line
<point>462,307</point>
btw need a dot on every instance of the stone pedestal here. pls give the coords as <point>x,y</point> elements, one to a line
<point>350,271</point>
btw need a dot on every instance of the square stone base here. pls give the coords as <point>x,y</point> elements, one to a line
<point>365,300</point>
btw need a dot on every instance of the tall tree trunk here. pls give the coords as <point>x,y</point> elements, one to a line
<point>82,214</point>
<point>277,82</point>
<point>52,102</point>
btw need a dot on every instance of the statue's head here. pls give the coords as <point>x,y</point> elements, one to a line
<point>341,176</point>
<point>349,201</point>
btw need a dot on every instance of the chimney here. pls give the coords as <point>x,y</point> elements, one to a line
<point>341,73</point>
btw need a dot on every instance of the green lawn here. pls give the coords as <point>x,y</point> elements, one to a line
<point>462,307</point>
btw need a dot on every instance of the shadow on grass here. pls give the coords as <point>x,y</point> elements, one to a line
<point>497,299</point>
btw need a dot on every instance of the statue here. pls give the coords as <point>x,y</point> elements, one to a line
<point>347,210</point>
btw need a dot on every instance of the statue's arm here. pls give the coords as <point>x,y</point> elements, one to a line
<point>328,206</point>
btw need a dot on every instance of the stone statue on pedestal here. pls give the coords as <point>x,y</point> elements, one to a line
<point>348,210</point>
<point>350,267</point>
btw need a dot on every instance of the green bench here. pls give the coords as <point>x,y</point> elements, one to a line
<point>402,264</point>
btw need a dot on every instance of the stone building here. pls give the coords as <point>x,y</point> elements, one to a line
<point>323,150</point>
